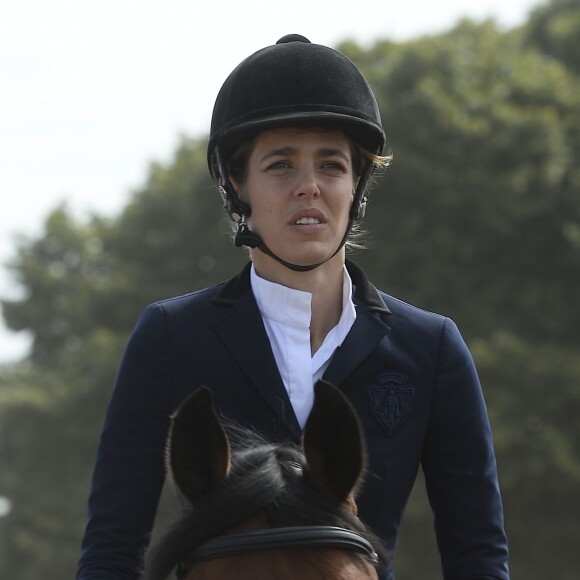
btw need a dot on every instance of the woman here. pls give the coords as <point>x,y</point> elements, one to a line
<point>295,135</point>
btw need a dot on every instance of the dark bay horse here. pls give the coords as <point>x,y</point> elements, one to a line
<point>265,511</point>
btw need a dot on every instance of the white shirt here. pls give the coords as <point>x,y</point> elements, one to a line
<point>286,313</point>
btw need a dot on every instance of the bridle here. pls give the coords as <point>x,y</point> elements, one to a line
<point>279,539</point>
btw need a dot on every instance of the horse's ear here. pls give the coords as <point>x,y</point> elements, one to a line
<point>199,450</point>
<point>333,444</point>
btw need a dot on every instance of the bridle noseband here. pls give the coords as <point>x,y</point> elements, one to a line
<point>279,539</point>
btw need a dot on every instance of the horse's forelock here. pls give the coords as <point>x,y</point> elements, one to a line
<point>257,479</point>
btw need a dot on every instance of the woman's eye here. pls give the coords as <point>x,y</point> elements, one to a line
<point>279,165</point>
<point>334,166</point>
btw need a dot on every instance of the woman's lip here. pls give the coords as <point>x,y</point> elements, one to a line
<point>308,213</point>
<point>308,229</point>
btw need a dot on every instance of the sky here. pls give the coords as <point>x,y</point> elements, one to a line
<point>92,91</point>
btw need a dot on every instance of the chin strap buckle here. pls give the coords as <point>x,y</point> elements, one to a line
<point>245,236</point>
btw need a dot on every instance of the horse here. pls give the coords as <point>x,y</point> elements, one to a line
<point>261,510</point>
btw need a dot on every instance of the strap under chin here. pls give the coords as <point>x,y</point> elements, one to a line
<point>246,237</point>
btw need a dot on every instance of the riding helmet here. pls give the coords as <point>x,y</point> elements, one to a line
<point>294,83</point>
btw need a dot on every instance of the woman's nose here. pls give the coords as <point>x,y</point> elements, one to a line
<point>307,185</point>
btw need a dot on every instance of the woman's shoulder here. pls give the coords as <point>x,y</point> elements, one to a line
<point>422,326</point>
<point>199,304</point>
<point>399,307</point>
<point>193,299</point>
<point>395,312</point>
<point>411,320</point>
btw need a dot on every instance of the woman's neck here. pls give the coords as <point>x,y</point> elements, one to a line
<point>325,283</point>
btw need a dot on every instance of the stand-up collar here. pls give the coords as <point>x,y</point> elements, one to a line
<point>365,292</point>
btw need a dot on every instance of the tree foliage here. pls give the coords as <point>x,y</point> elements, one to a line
<point>478,218</point>
<point>554,29</point>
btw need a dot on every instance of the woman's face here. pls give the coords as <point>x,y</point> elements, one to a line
<point>300,186</point>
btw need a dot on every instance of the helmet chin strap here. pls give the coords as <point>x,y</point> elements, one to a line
<point>246,237</point>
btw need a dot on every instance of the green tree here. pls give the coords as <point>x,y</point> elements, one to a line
<point>554,28</point>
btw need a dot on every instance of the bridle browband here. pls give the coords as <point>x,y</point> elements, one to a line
<point>279,539</point>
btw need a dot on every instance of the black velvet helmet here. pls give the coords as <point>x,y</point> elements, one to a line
<point>294,82</point>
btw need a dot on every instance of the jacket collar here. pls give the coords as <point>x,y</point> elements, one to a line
<point>365,293</point>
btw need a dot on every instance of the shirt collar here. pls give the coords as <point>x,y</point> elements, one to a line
<point>281,303</point>
<point>230,292</point>
<point>291,306</point>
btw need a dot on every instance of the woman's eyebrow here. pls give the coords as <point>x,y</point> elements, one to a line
<point>281,152</point>
<point>331,152</point>
<point>322,152</point>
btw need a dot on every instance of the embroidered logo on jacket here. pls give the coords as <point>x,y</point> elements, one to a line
<point>391,399</point>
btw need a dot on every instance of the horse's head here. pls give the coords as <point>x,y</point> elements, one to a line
<point>266,510</point>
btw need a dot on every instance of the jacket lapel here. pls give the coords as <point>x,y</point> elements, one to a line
<point>242,330</point>
<point>367,331</point>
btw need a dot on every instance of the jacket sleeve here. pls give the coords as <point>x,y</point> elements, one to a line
<point>129,470</point>
<point>460,469</point>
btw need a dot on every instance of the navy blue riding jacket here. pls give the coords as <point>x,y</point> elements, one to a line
<point>407,372</point>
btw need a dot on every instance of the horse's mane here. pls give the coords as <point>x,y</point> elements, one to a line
<point>265,480</point>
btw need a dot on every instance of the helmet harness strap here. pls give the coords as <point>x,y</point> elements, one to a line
<point>246,237</point>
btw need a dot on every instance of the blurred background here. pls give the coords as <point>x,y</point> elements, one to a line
<point>107,206</point>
